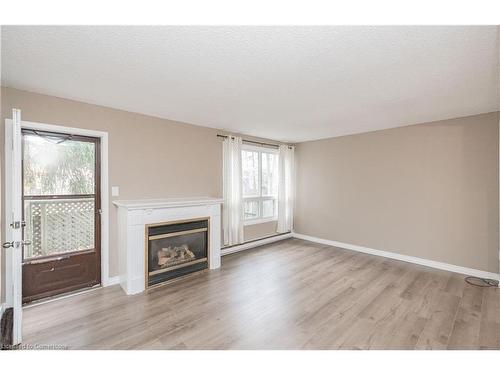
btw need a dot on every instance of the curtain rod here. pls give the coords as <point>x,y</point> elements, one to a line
<point>254,142</point>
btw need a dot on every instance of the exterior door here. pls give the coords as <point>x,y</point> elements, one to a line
<point>13,223</point>
<point>61,208</point>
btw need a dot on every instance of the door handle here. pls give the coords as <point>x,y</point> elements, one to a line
<point>7,245</point>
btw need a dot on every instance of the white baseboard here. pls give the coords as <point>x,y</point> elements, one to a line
<point>404,258</point>
<point>111,281</point>
<point>252,244</point>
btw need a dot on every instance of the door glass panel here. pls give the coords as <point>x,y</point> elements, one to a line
<point>55,166</point>
<point>58,191</point>
<point>57,226</point>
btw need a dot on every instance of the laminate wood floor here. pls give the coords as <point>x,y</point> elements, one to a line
<point>291,294</point>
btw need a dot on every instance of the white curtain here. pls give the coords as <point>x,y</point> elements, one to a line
<point>232,210</point>
<point>285,188</point>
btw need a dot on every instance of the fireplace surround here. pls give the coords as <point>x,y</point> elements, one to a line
<point>135,220</point>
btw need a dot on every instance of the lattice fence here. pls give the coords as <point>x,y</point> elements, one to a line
<point>59,225</point>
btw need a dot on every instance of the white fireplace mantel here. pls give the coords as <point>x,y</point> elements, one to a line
<point>134,215</point>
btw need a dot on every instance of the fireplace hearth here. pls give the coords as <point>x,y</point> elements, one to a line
<point>175,249</point>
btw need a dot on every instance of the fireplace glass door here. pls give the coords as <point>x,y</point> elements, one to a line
<point>176,249</point>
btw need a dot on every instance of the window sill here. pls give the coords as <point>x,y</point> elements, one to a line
<point>259,221</point>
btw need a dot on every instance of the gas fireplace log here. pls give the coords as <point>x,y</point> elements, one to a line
<point>174,255</point>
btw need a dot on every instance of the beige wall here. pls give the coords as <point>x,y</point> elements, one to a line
<point>428,190</point>
<point>148,157</point>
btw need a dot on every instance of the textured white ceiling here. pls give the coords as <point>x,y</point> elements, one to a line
<point>284,83</point>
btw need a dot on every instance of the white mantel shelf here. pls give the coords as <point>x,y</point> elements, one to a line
<point>134,215</point>
<point>141,204</point>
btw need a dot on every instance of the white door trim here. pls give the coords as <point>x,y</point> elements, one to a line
<point>103,136</point>
<point>7,219</point>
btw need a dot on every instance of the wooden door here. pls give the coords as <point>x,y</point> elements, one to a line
<point>61,206</point>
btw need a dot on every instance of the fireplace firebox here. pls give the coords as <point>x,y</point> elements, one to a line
<point>175,249</point>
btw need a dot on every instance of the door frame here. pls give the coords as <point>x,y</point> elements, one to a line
<point>103,136</point>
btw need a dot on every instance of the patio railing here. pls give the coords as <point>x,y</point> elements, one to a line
<point>59,226</point>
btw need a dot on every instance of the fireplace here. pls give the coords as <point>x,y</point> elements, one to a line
<point>175,249</point>
<point>136,217</point>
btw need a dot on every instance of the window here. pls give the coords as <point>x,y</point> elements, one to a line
<point>260,184</point>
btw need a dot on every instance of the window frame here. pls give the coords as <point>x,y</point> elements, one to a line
<point>261,198</point>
